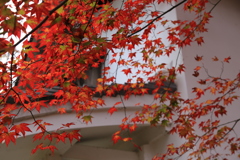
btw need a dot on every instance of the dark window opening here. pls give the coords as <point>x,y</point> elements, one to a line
<point>93,74</point>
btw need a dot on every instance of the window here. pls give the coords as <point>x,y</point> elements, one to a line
<point>93,74</point>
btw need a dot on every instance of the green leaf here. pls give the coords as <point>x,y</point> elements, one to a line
<point>87,119</point>
<point>66,84</point>
<point>5,12</point>
<point>76,40</point>
<point>31,22</point>
<point>63,47</point>
<point>81,60</point>
<point>120,30</point>
<point>21,12</point>
<point>3,2</point>
<point>93,4</point>
<point>87,43</point>
<point>100,40</point>
<point>165,122</point>
<point>187,26</point>
<point>56,20</point>
<point>11,22</point>
<point>105,7</point>
<point>60,10</point>
<point>72,10</point>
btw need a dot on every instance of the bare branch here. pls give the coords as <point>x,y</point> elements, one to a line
<point>156,18</point>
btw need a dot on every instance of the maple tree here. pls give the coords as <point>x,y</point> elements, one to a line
<point>68,38</point>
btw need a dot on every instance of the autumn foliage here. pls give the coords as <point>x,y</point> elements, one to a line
<point>68,38</point>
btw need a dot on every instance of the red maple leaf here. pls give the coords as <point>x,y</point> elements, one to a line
<point>51,148</point>
<point>38,136</point>
<point>127,71</point>
<point>40,146</point>
<point>61,137</point>
<point>116,137</point>
<point>124,126</point>
<point>74,135</point>
<point>7,137</point>
<point>117,103</point>
<point>59,93</point>
<point>68,124</point>
<point>112,61</point>
<point>133,127</point>
<point>112,110</point>
<point>21,128</point>
<point>199,91</point>
<point>181,68</point>
<point>227,59</point>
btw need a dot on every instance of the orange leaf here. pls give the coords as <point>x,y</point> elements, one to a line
<point>215,58</point>
<point>116,138</point>
<point>99,88</point>
<point>144,91</point>
<point>117,103</point>
<point>127,139</point>
<point>133,127</point>
<point>62,110</point>
<point>197,68</point>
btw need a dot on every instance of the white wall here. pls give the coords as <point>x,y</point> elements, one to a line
<point>221,40</point>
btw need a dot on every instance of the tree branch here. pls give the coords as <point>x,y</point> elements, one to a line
<point>34,119</point>
<point>39,25</point>
<point>156,18</point>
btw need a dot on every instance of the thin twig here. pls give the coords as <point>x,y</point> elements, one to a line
<point>34,119</point>
<point>156,18</point>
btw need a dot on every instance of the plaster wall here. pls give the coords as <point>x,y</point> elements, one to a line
<point>222,41</point>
